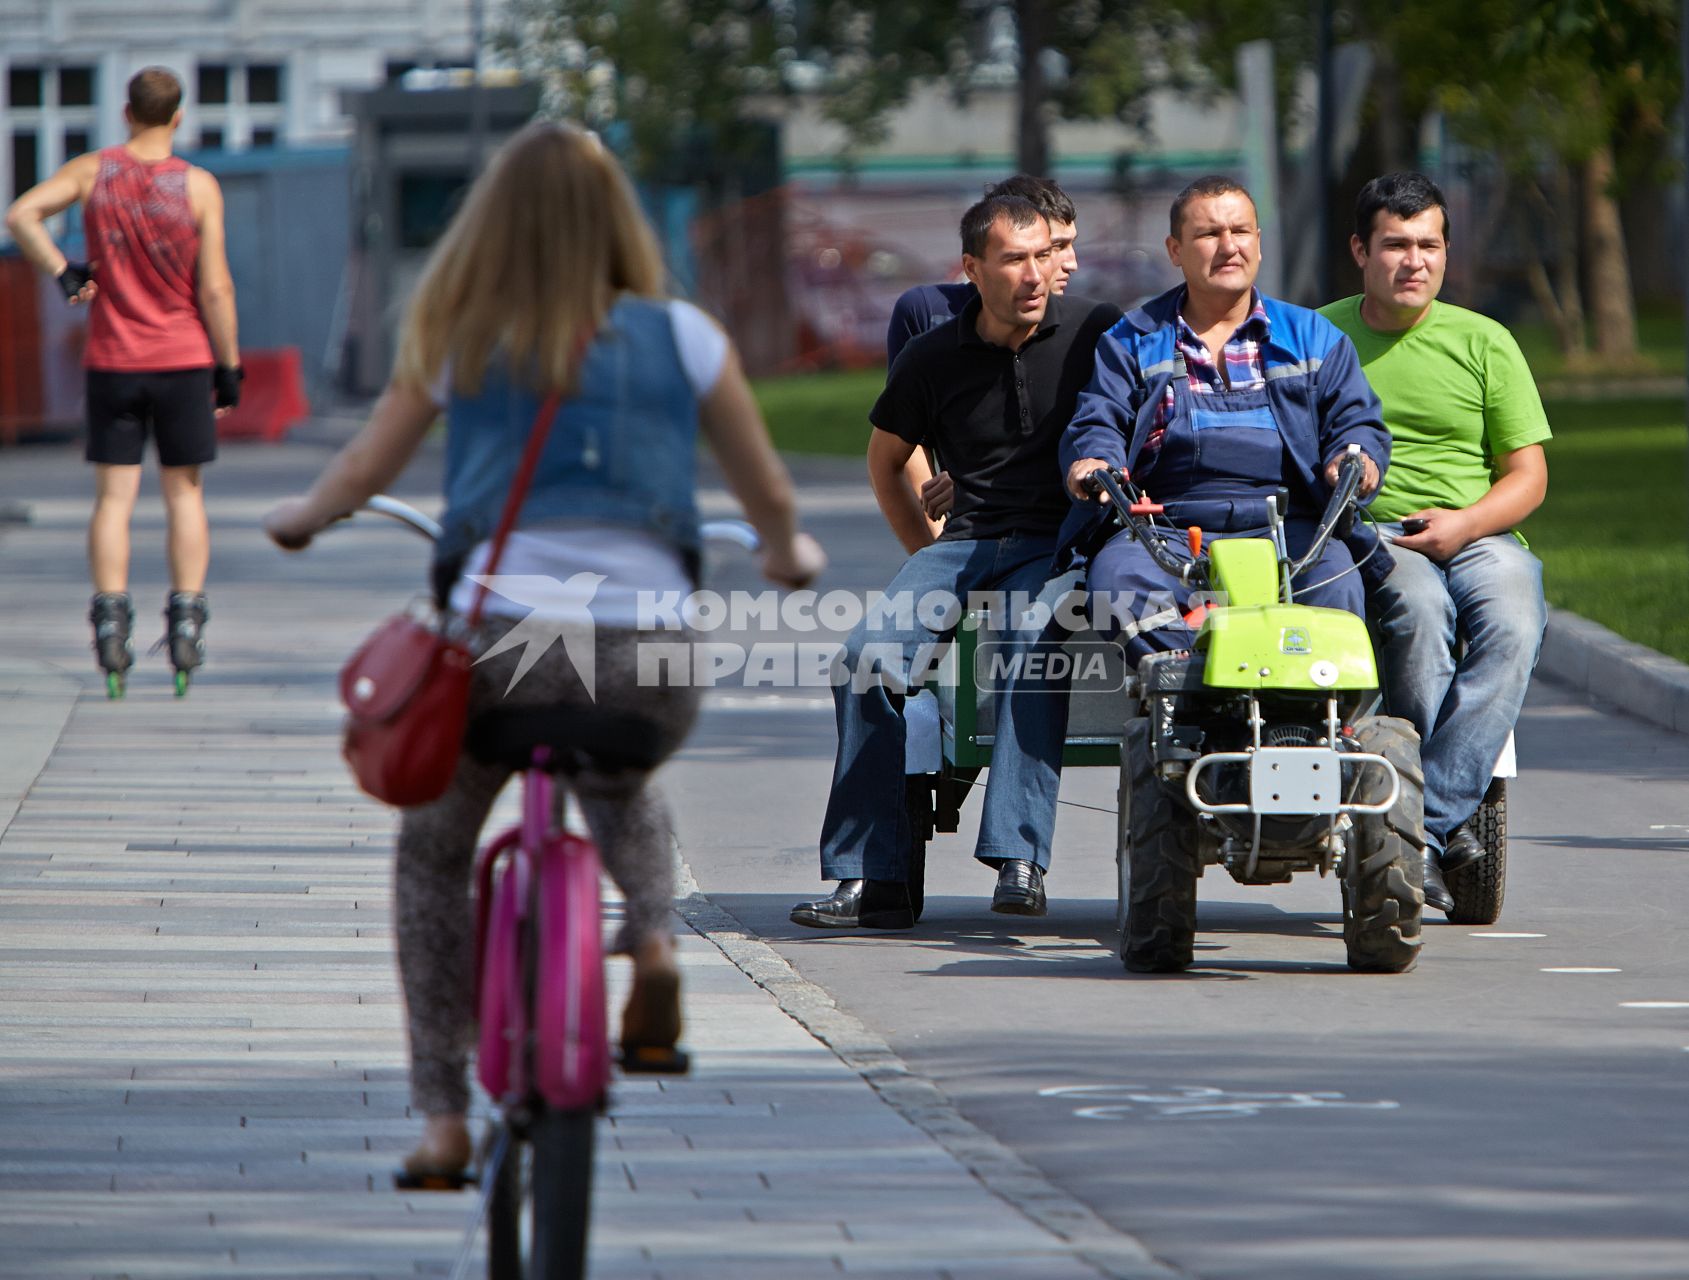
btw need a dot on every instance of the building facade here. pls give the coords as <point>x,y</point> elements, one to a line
<point>256,73</point>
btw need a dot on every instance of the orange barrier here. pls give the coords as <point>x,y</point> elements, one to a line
<point>272,398</point>
<point>21,393</point>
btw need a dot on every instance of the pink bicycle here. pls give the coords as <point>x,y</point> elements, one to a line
<point>544,1051</point>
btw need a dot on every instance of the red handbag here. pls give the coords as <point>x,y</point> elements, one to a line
<point>406,689</point>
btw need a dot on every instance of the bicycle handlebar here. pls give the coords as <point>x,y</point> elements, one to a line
<point>736,532</point>
<point>405,514</point>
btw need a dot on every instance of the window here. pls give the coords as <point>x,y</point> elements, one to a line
<point>263,82</point>
<point>76,86</point>
<point>23,87</point>
<point>263,137</point>
<point>78,141</point>
<point>211,139</point>
<point>212,83</point>
<point>25,158</point>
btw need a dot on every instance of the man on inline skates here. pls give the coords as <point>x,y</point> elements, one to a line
<point>161,345</point>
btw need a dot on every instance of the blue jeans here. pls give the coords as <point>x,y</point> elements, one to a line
<point>866,828</point>
<point>1490,595</point>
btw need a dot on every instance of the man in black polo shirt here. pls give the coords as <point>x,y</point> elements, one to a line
<point>991,390</point>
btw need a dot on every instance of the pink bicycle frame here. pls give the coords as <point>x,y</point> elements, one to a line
<point>539,888</point>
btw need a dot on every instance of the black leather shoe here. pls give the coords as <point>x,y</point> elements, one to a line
<point>1436,892</point>
<point>1020,889</point>
<point>1462,850</point>
<point>886,904</point>
<point>838,911</point>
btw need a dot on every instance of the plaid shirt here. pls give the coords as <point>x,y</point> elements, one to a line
<point>1242,356</point>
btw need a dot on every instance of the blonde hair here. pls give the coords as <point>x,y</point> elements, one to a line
<point>530,265</point>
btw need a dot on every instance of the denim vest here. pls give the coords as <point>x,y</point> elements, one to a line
<point>621,451</point>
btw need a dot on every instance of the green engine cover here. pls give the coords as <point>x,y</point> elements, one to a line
<point>1244,570</point>
<point>1255,642</point>
<point>1286,646</point>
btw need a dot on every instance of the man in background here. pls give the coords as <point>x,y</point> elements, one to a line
<point>161,346</point>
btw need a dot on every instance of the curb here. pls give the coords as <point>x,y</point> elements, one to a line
<point>1113,1253</point>
<point>1607,668</point>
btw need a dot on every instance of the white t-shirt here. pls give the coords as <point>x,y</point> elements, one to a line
<point>629,561</point>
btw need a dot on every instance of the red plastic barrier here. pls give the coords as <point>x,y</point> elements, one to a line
<point>20,350</point>
<point>272,398</point>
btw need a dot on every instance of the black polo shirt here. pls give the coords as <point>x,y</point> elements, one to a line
<point>995,416</point>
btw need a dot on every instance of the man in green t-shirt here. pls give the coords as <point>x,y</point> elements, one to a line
<point>1466,466</point>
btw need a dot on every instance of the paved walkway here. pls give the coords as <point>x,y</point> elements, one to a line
<point>202,1067</point>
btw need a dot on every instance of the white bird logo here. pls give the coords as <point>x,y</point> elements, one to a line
<point>558,610</point>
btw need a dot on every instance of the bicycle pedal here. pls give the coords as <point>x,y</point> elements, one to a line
<point>655,1060</point>
<point>433,1180</point>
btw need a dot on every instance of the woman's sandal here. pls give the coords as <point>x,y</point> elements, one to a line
<point>651,1026</point>
<point>428,1169</point>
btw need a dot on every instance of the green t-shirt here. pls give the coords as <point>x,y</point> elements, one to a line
<point>1457,394</point>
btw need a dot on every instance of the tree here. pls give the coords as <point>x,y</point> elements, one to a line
<point>659,69</point>
<point>1570,98</point>
<point>662,71</point>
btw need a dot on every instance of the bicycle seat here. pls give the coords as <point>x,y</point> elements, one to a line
<point>580,738</point>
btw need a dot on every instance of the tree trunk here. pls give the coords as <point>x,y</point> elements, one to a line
<point>1612,304</point>
<point>1558,297</point>
<point>1032,145</point>
<point>1397,141</point>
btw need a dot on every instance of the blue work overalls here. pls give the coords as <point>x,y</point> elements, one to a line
<point>1222,457</point>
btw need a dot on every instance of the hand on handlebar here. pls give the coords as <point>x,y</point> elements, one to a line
<point>291,524</point>
<point>1369,474</point>
<point>796,565</point>
<point>1076,479</point>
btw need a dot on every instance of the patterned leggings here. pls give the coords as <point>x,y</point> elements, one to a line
<point>629,821</point>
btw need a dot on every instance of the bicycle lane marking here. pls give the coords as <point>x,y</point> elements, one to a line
<point>1114,1101</point>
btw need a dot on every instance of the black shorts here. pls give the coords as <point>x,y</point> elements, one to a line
<point>174,408</point>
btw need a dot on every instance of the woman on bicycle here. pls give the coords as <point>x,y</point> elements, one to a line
<point>550,278</point>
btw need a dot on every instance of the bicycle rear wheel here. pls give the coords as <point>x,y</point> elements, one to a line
<point>560,1203</point>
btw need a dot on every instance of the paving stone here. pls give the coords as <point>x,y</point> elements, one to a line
<point>202,1058</point>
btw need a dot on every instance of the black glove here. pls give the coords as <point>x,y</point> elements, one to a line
<point>73,278</point>
<point>226,379</point>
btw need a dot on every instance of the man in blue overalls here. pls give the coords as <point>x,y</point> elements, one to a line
<point>1213,398</point>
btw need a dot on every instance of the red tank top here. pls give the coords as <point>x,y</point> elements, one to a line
<point>144,246</point>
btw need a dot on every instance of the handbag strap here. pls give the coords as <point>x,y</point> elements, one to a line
<point>519,486</point>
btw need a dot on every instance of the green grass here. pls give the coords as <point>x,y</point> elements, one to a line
<point>1613,535</point>
<point>820,412</point>
<point>1659,341</point>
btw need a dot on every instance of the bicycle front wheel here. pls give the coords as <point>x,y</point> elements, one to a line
<point>505,1201</point>
<point>560,1199</point>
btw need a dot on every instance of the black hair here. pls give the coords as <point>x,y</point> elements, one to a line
<point>1402,195</point>
<point>1213,184</point>
<point>982,216</point>
<point>1049,199</point>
